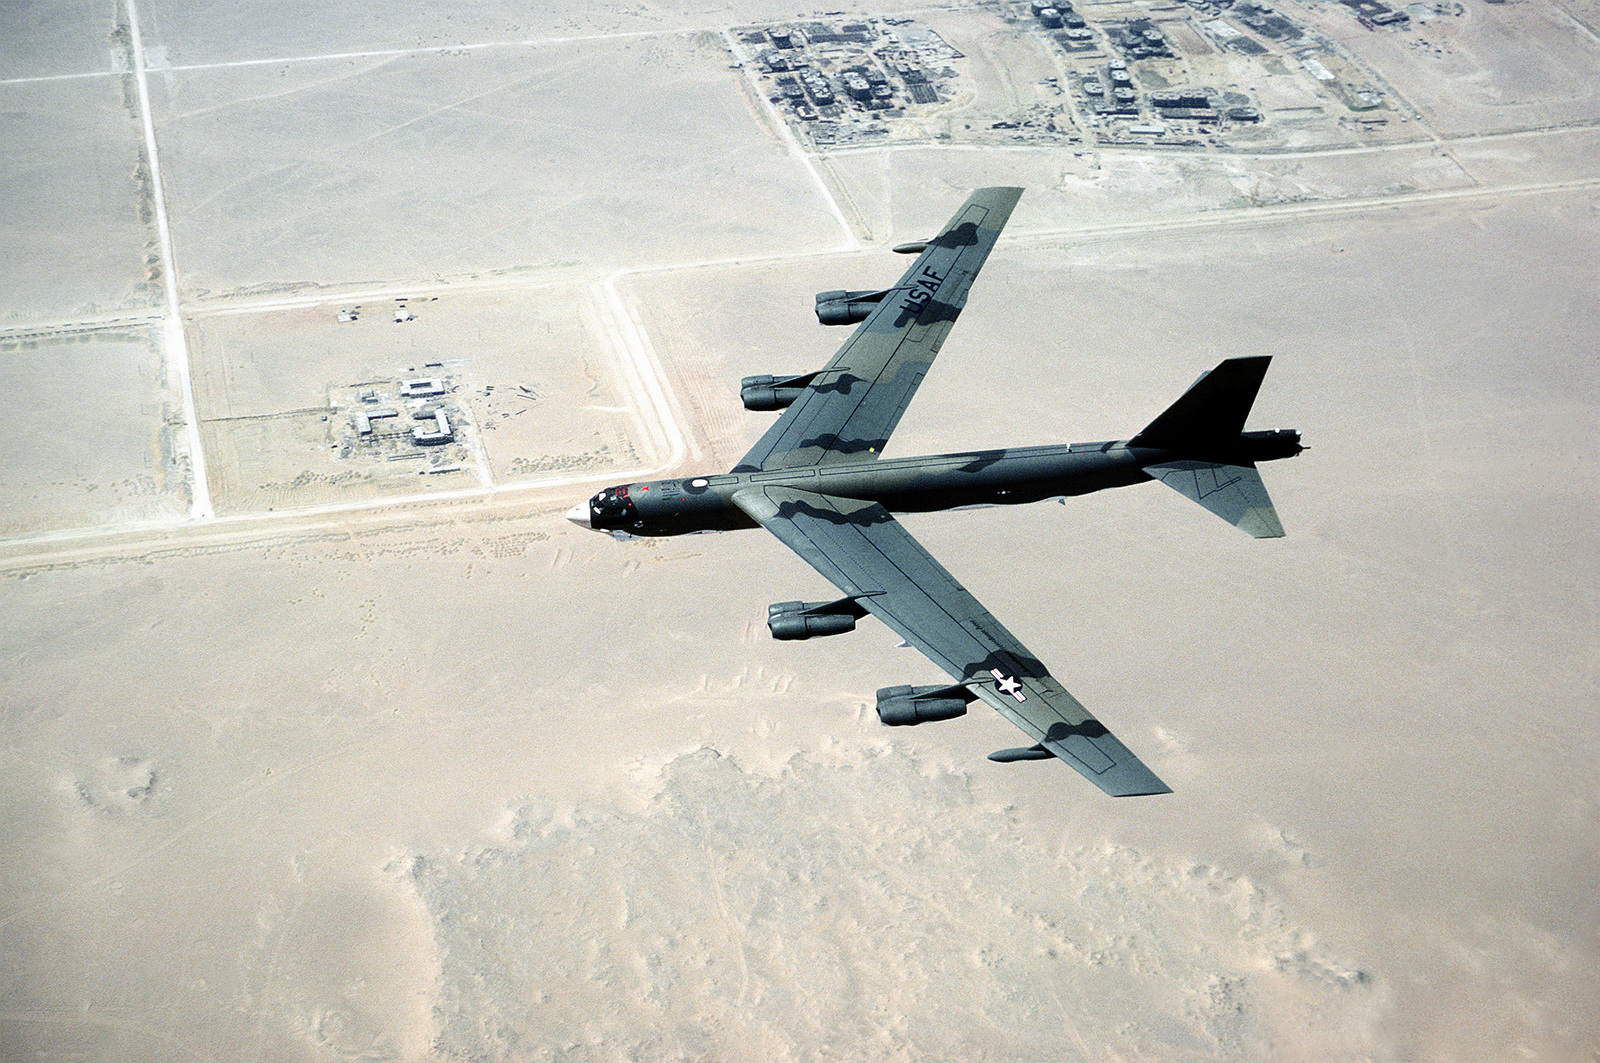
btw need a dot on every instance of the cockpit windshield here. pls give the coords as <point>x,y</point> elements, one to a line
<point>612,508</point>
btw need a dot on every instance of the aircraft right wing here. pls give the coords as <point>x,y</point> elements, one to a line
<point>868,555</point>
<point>852,405</point>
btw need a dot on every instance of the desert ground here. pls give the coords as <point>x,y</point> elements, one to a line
<point>320,746</point>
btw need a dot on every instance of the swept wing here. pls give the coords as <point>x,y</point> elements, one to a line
<point>850,408</point>
<point>865,552</point>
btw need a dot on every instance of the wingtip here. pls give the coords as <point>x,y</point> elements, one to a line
<point>1133,780</point>
<point>1151,792</point>
<point>1011,192</point>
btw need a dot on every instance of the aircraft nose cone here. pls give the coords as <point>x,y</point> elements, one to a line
<point>579,515</point>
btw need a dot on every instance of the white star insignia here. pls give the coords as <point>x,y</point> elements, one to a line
<point>1008,684</point>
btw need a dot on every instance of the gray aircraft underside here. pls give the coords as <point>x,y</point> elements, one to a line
<point>816,482</point>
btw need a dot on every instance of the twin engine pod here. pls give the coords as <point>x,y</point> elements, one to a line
<point>906,706</point>
<point>792,621</point>
<point>900,706</point>
<point>767,392</point>
<point>846,308</point>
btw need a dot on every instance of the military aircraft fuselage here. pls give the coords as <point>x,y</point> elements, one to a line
<point>814,480</point>
<point>1009,476</point>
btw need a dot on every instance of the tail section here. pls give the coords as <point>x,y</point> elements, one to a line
<point>1209,457</point>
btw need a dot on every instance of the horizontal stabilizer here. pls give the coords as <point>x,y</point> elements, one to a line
<point>1233,492</point>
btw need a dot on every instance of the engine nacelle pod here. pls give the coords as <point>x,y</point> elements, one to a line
<point>765,400</point>
<point>767,392</point>
<point>794,621</point>
<point>794,627</point>
<point>842,313</point>
<point>907,706</point>
<point>846,308</point>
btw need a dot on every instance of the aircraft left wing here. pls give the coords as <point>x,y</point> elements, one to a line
<point>867,554</point>
<point>852,405</point>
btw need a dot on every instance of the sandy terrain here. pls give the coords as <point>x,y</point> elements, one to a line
<point>361,771</point>
<point>1494,67</point>
<point>519,147</point>
<point>92,420</point>
<point>74,184</point>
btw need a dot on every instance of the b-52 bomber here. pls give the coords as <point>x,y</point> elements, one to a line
<point>815,480</point>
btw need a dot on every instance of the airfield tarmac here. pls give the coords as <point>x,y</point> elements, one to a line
<point>361,765</point>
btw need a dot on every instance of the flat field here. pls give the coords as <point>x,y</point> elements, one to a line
<point>94,427</point>
<point>1492,68</point>
<point>78,239</point>
<point>298,176</point>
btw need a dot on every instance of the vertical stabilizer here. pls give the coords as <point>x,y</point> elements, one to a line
<point>1212,412</point>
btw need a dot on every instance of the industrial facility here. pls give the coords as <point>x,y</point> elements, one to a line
<point>1168,78</point>
<point>840,81</point>
<point>404,419</point>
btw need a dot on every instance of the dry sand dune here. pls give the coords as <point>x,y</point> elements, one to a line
<point>868,909</point>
